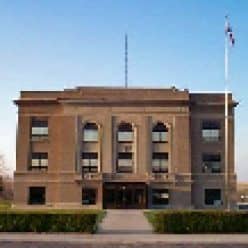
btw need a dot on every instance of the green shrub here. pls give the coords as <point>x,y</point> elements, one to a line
<point>198,221</point>
<point>41,221</point>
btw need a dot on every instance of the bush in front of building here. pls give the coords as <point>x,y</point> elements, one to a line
<point>211,221</point>
<point>27,221</point>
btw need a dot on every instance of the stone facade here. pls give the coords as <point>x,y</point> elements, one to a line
<point>166,173</point>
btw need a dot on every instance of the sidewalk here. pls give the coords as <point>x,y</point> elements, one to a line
<point>125,222</point>
<point>103,239</point>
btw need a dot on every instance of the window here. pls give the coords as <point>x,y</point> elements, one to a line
<point>90,132</point>
<point>39,127</point>
<point>125,162</point>
<point>89,196</point>
<point>90,161</point>
<point>160,197</point>
<point>125,132</point>
<point>159,133</point>
<point>37,195</point>
<point>213,197</point>
<point>39,160</point>
<point>160,162</point>
<point>211,131</point>
<point>211,163</point>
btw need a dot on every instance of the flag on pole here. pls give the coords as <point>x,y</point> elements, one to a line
<point>229,32</point>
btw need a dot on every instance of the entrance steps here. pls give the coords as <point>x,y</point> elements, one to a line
<point>125,221</point>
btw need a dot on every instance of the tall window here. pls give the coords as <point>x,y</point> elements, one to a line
<point>90,161</point>
<point>37,195</point>
<point>211,131</point>
<point>213,197</point>
<point>211,163</point>
<point>125,132</point>
<point>160,197</point>
<point>160,133</point>
<point>160,162</point>
<point>125,162</point>
<point>90,132</point>
<point>39,160</point>
<point>39,127</point>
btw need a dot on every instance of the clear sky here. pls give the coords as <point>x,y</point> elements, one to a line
<point>55,44</point>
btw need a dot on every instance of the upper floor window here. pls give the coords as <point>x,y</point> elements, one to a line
<point>160,133</point>
<point>160,162</point>
<point>39,126</point>
<point>90,161</point>
<point>211,131</point>
<point>125,162</point>
<point>90,132</point>
<point>125,132</point>
<point>39,160</point>
<point>211,163</point>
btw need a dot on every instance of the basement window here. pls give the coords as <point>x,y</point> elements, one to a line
<point>160,196</point>
<point>89,196</point>
<point>213,197</point>
<point>37,196</point>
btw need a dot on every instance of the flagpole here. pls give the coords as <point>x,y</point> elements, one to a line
<point>226,121</point>
<point>126,61</point>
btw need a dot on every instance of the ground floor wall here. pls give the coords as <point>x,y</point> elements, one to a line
<point>70,193</point>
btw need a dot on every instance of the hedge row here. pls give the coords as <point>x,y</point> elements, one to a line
<point>48,222</point>
<point>198,221</point>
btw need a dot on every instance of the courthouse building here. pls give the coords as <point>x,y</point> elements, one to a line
<point>97,147</point>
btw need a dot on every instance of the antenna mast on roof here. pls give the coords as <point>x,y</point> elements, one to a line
<point>126,61</point>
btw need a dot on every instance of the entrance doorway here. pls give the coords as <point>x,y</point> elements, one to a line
<point>124,195</point>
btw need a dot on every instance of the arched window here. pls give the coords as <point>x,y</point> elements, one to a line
<point>160,133</point>
<point>90,132</point>
<point>125,132</point>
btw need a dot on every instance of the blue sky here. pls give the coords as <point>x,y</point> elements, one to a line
<point>56,44</point>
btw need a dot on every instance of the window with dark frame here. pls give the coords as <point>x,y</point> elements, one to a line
<point>213,197</point>
<point>160,196</point>
<point>125,132</point>
<point>159,133</point>
<point>89,196</point>
<point>37,196</point>
<point>39,127</point>
<point>211,130</point>
<point>211,163</point>
<point>125,162</point>
<point>39,161</point>
<point>90,132</point>
<point>90,162</point>
<point>160,162</point>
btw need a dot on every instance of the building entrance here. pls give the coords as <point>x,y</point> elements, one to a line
<point>125,195</point>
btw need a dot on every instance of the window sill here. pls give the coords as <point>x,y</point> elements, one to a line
<point>158,142</point>
<point>39,138</point>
